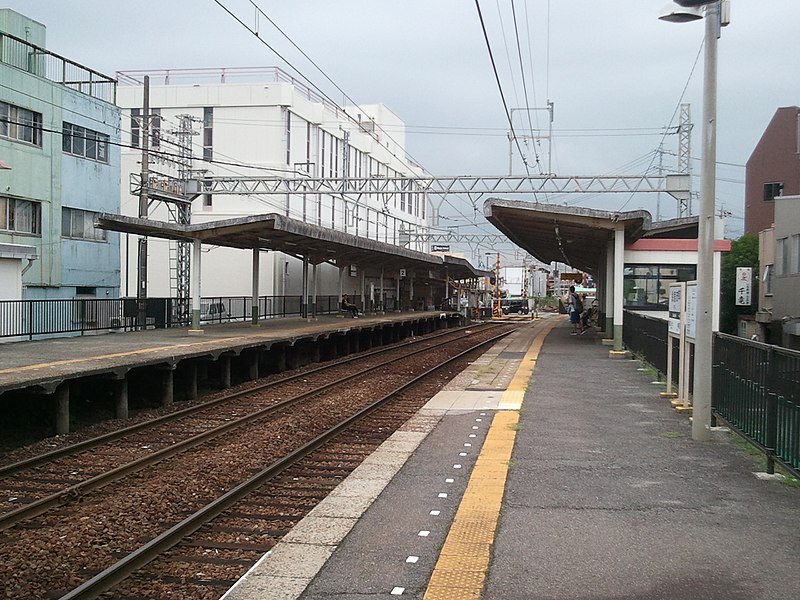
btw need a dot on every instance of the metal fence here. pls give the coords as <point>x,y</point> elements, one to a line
<point>647,337</point>
<point>37,319</point>
<point>756,388</point>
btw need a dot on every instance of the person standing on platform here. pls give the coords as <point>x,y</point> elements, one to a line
<point>347,305</point>
<point>574,308</point>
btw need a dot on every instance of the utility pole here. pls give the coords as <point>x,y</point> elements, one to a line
<point>141,289</point>
<point>180,285</point>
<point>497,309</point>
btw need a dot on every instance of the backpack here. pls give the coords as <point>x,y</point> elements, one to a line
<point>577,304</point>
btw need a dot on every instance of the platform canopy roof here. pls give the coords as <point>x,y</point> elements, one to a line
<point>574,235</point>
<point>299,239</point>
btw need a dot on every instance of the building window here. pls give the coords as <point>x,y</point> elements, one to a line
<point>308,147</point>
<point>22,216</point>
<point>20,124</point>
<point>136,126</point>
<point>330,156</point>
<point>288,137</point>
<point>782,256</point>
<point>768,280</point>
<point>322,154</point>
<point>208,133</point>
<point>155,127</point>
<point>86,143</point>
<point>795,251</point>
<point>79,225</point>
<point>772,190</point>
<point>646,287</point>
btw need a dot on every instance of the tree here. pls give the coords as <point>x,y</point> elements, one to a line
<point>744,253</point>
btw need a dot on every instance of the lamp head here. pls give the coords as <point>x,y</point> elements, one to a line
<point>674,13</point>
<point>693,3</point>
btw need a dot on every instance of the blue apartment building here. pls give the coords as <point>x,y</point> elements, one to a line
<point>59,148</point>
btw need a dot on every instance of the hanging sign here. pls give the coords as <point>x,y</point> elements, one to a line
<point>744,286</point>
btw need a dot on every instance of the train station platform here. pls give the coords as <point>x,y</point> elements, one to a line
<point>544,471</point>
<point>171,363</point>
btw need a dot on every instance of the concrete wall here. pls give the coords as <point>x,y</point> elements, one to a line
<point>22,27</point>
<point>776,158</point>
<point>786,284</point>
<point>45,174</point>
<point>93,186</point>
<point>35,173</point>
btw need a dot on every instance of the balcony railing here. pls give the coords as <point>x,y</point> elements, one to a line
<point>39,61</point>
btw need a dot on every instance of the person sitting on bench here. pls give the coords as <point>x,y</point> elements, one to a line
<point>347,305</point>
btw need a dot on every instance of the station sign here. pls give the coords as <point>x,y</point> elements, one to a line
<point>691,310</point>
<point>676,294</point>
<point>744,286</point>
<point>440,247</point>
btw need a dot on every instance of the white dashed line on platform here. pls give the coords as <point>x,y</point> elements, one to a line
<point>412,559</point>
<point>398,591</point>
<point>424,533</point>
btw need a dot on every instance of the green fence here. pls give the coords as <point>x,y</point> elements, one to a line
<point>756,389</point>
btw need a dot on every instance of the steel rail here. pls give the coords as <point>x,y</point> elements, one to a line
<point>108,578</point>
<point>73,492</point>
<point>78,447</point>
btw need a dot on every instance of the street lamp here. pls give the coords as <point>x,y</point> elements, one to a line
<point>701,402</point>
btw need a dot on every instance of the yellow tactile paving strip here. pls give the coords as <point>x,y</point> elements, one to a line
<point>512,397</point>
<point>461,569</point>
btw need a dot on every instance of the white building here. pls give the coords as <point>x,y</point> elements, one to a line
<point>256,123</point>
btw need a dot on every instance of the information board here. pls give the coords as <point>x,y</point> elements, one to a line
<point>676,293</point>
<point>691,310</point>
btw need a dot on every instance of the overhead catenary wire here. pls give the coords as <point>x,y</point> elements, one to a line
<point>499,84</point>
<point>674,113</point>
<point>528,107</point>
<point>305,78</point>
<point>508,54</point>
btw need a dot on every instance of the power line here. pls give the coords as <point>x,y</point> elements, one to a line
<point>524,84</point>
<point>312,84</point>
<point>675,112</point>
<point>499,85</point>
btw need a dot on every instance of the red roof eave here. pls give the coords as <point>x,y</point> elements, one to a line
<point>675,245</point>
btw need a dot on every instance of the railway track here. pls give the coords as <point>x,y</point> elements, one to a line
<point>201,481</point>
<point>33,486</point>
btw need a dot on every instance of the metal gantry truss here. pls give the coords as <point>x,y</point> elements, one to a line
<point>460,184</point>
<point>182,191</point>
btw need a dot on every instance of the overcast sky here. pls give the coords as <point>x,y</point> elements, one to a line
<point>615,77</point>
